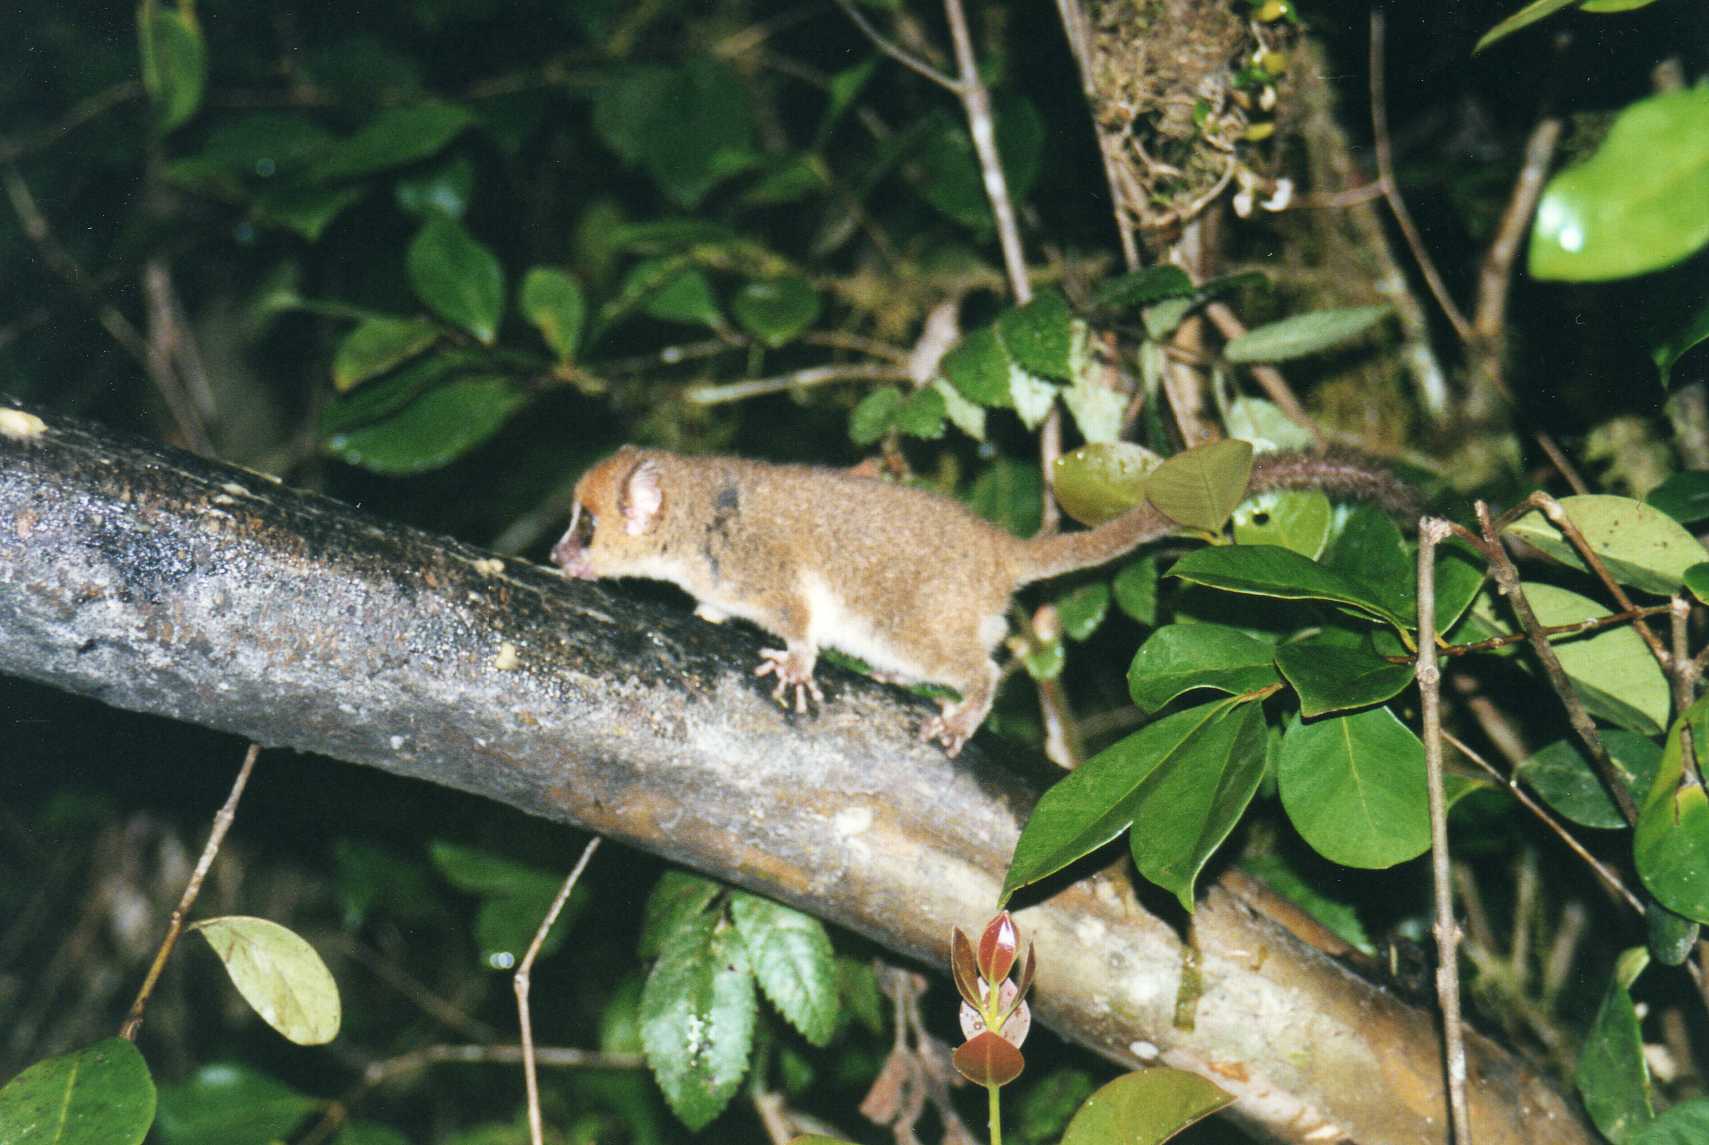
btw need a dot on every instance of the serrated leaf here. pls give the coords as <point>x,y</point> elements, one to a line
<point>1333,678</point>
<point>1611,1075</point>
<point>1561,773</point>
<point>1135,590</point>
<point>1040,336</point>
<point>1303,334</point>
<point>1098,800</point>
<point>377,345</point>
<point>1612,670</point>
<point>697,1018</point>
<point>777,310</point>
<point>554,304</point>
<point>278,974</point>
<point>1144,1108</point>
<point>1178,658</point>
<point>396,136</point>
<point>1083,610</point>
<point>1296,519</point>
<point>1683,496</point>
<point>98,1095</point>
<point>875,415</point>
<point>793,963</point>
<point>1200,487</point>
<point>1642,546</point>
<point>1032,396</point>
<point>433,430</point>
<point>676,900</point>
<point>174,63</point>
<point>1188,806</point>
<point>1671,843</point>
<point>1354,788</point>
<point>1634,206</point>
<point>962,414</point>
<point>978,367</point>
<point>458,278</point>
<point>225,1103</point>
<point>1142,287</point>
<point>1266,570</point>
<point>1523,18</point>
<point>1097,483</point>
<point>922,414</point>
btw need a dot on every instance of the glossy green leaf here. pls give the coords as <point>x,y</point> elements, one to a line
<point>1330,677</point>
<point>1671,844</point>
<point>1144,1108</point>
<point>875,415</point>
<point>1683,496</point>
<point>1369,551</point>
<point>377,345</point>
<point>1561,773</point>
<point>624,108</point>
<point>1040,336</point>
<point>278,974</point>
<point>262,145</point>
<point>1264,425</point>
<point>1669,937</point>
<point>1697,581</point>
<point>697,1018</point>
<point>174,63</point>
<point>433,430</point>
<point>978,367</point>
<point>1303,334</point>
<point>1524,17</point>
<point>793,963</point>
<point>443,191</point>
<point>225,1103</point>
<point>1266,570</point>
<point>383,397</point>
<point>1612,1077</point>
<point>308,211</point>
<point>1354,788</point>
<point>458,278</point>
<point>1200,487</point>
<point>1636,205</point>
<point>1142,287</point>
<point>1188,806</point>
<point>1097,483</point>
<point>396,136</point>
<point>1339,918</point>
<point>1642,546</point>
<point>1083,610</point>
<point>674,292</point>
<point>98,1095</point>
<point>1684,1124</point>
<point>677,899</point>
<point>1680,334</point>
<point>553,303</point>
<point>1135,589</point>
<point>1460,575</point>
<point>1296,519</point>
<point>1178,658</point>
<point>1612,670</point>
<point>1097,800</point>
<point>776,310</point>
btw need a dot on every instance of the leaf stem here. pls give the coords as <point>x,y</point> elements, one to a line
<point>994,1117</point>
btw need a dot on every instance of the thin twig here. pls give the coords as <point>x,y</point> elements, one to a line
<point>1577,627</point>
<point>400,980</point>
<point>175,925</point>
<point>522,980</point>
<point>1495,278</point>
<point>1682,670</point>
<point>981,125</point>
<point>797,380</point>
<point>84,111</point>
<point>894,50</point>
<point>1391,188</point>
<point>1431,532</point>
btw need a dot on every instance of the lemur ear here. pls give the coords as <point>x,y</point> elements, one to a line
<point>641,499</point>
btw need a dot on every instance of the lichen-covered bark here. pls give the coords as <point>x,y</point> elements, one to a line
<point>160,583</point>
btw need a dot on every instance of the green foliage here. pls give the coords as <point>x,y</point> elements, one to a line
<point>1671,843</point>
<point>1562,774</point>
<point>514,898</point>
<point>1200,487</point>
<point>98,1095</point>
<point>225,1103</point>
<point>174,62</point>
<point>1145,1108</point>
<point>1641,546</point>
<point>1354,788</point>
<point>458,278</point>
<point>1097,483</point>
<point>278,974</point>
<point>554,303</point>
<point>1303,334</point>
<point>1612,1076</point>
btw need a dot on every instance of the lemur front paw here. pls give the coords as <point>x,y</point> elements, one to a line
<point>794,670</point>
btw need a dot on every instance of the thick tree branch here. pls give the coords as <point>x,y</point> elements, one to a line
<point>162,583</point>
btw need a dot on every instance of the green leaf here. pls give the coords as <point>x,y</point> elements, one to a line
<point>1354,787</point>
<point>553,302</point>
<point>1097,800</point>
<point>1097,409</point>
<point>1187,807</point>
<point>505,925</point>
<point>1611,1076</point>
<point>949,169</point>
<point>793,962</point>
<point>306,210</point>
<point>1671,844</point>
<point>689,128</point>
<point>1296,519</point>
<point>278,974</point>
<point>377,345</point>
<point>1684,1124</point>
<point>1265,426</point>
<point>1033,397</point>
<point>1612,670</point>
<point>368,1133</point>
<point>697,1018</point>
<point>1136,590</point>
<point>675,292</point>
<point>1339,918</point>
<point>1144,1108</point>
<point>262,145</point>
<point>776,310</point>
<point>1142,287</point>
<point>1673,340</point>
<point>225,1103</point>
<point>370,878</point>
<point>1642,546</point>
<point>1670,937</point>
<point>1009,493</point>
<point>1524,17</point>
<point>962,414</point>
<point>1683,496</point>
<point>1200,487</point>
<point>1561,773</point>
<point>458,278</point>
<point>1370,552</point>
<point>1178,658</point>
<point>396,136</point>
<point>875,415</point>
<point>1697,581</point>
<point>1637,204</point>
<point>1162,318</point>
<point>98,1095</point>
<point>443,191</point>
<point>1265,570</point>
<point>1303,334</point>
<point>1330,677</point>
<point>1083,610</point>
<point>1097,483</point>
<point>174,63</point>
<point>978,367</point>
<point>922,414</point>
<point>1040,336</point>
<point>1046,661</point>
<point>433,430</point>
<point>677,899</point>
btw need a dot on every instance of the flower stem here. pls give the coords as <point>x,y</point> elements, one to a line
<point>996,1123</point>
